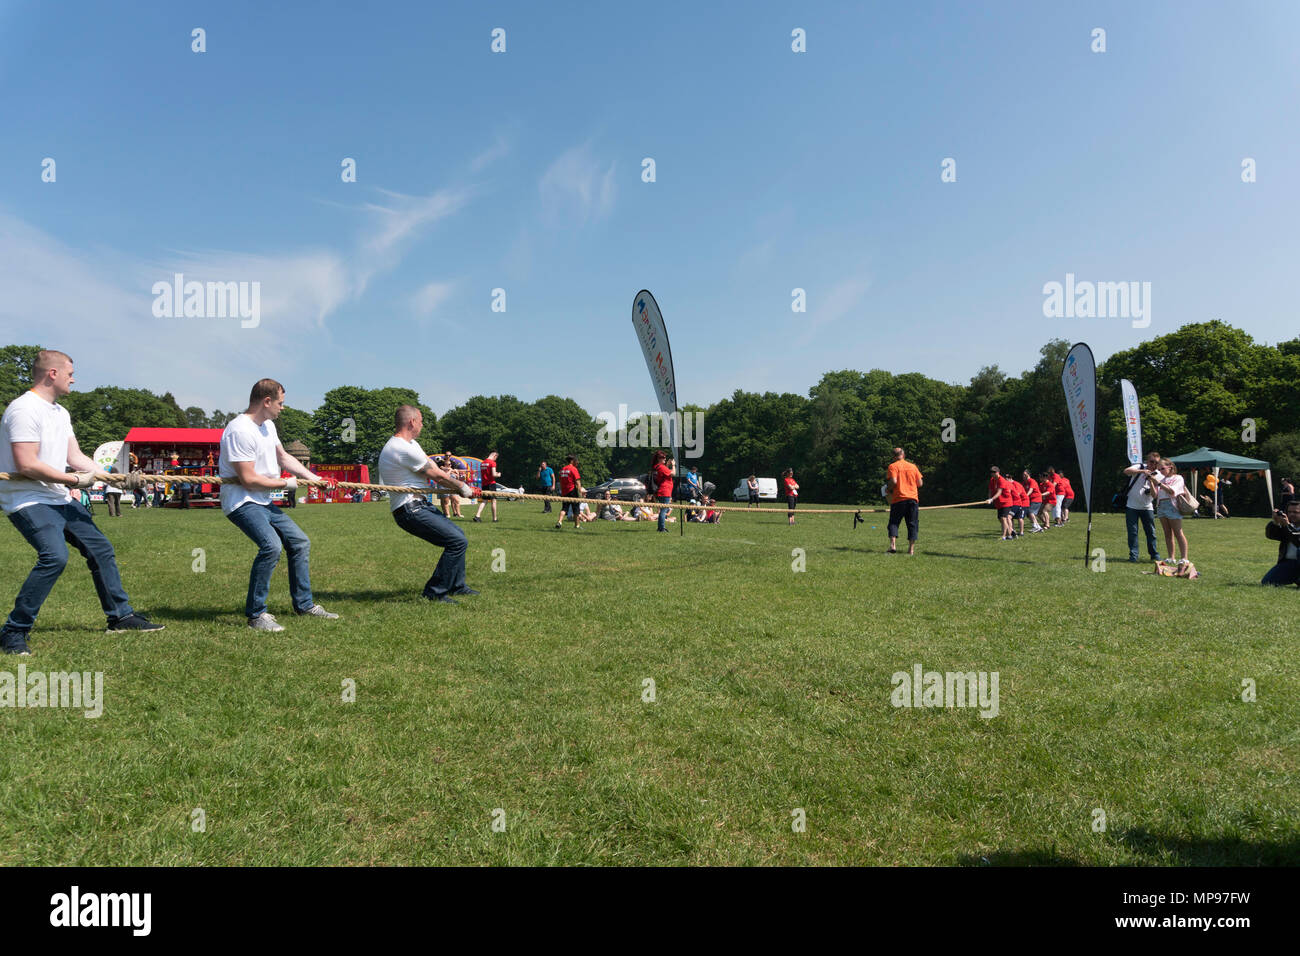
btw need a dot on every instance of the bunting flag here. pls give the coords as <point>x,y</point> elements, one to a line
<point>1079,379</point>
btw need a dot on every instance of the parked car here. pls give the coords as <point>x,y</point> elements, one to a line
<point>620,489</point>
<point>766,490</point>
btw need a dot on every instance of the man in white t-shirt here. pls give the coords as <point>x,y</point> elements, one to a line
<point>1140,506</point>
<point>37,442</point>
<point>251,454</point>
<point>403,462</point>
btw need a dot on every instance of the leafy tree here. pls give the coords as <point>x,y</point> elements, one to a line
<point>353,424</point>
<point>16,363</point>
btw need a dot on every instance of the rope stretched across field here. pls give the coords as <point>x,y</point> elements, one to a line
<point>138,479</point>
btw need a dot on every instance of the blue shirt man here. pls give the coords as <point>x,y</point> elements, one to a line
<point>546,478</point>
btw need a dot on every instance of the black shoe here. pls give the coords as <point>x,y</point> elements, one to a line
<point>13,641</point>
<point>133,622</point>
<point>477,519</point>
<point>440,599</point>
<point>465,591</point>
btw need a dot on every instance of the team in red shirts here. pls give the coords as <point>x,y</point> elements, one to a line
<point>1042,500</point>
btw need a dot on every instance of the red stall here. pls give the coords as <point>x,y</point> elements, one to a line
<point>358,473</point>
<point>183,451</point>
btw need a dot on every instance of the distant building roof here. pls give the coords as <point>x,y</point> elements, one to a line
<point>298,449</point>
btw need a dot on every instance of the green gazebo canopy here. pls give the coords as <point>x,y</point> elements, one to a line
<point>1209,458</point>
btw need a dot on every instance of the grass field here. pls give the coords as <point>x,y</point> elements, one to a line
<point>1118,691</point>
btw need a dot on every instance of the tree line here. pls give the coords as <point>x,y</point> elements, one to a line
<point>1205,384</point>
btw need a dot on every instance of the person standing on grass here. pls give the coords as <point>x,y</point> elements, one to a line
<point>1065,496</point>
<point>570,487</point>
<point>1000,495</point>
<point>903,479</point>
<point>113,496</point>
<point>37,445</point>
<point>1035,499</point>
<point>404,463</point>
<point>489,473</point>
<point>1139,506</point>
<point>661,479</point>
<point>1019,505</point>
<point>752,485</point>
<point>1168,485</point>
<point>1285,530</point>
<point>791,492</point>
<point>546,479</point>
<point>250,465</point>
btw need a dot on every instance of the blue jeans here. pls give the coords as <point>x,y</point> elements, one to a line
<point>1131,518</point>
<point>1283,573</point>
<point>663,512</point>
<point>429,524</point>
<point>268,526</point>
<point>47,528</point>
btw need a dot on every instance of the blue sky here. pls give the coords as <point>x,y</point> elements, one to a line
<point>522,171</point>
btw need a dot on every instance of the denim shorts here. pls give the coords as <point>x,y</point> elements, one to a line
<point>1168,509</point>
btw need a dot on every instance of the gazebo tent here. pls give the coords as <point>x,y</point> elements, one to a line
<point>1211,460</point>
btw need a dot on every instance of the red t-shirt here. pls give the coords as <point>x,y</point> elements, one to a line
<point>791,488</point>
<point>1049,490</point>
<point>1035,493</point>
<point>1002,486</point>
<point>1019,497</point>
<point>488,469</point>
<point>1063,486</point>
<point>662,478</point>
<point>569,479</point>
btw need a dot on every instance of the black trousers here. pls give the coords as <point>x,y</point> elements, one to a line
<point>906,510</point>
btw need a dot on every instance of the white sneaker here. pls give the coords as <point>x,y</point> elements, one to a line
<point>265,622</point>
<point>317,611</point>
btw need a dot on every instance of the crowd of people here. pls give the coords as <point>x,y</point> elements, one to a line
<point>1045,501</point>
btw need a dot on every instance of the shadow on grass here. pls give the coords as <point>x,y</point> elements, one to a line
<point>1212,851</point>
<point>1017,858</point>
<point>922,552</point>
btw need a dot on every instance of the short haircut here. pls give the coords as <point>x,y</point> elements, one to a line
<point>899,453</point>
<point>572,459</point>
<point>1293,503</point>
<point>404,415</point>
<point>47,359</point>
<point>264,389</point>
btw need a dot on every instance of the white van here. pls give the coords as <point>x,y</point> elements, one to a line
<point>766,490</point>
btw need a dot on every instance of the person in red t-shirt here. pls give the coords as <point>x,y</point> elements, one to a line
<point>1064,488</point>
<point>488,471</point>
<point>661,480</point>
<point>1035,499</point>
<point>570,486</point>
<point>1019,505</point>
<point>1000,494</point>
<point>791,491</point>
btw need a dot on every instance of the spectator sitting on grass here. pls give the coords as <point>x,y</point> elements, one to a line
<point>714,516</point>
<point>1285,529</point>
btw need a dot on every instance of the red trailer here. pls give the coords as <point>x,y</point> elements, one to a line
<point>179,451</point>
<point>358,473</point>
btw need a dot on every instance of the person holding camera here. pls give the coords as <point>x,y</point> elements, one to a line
<point>1285,530</point>
<point>1139,506</point>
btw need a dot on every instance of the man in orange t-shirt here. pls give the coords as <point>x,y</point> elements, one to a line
<point>903,479</point>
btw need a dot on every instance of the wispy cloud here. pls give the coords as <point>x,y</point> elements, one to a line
<point>577,186</point>
<point>838,301</point>
<point>430,296</point>
<point>498,150</point>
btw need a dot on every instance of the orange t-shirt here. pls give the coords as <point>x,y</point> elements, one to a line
<point>905,476</point>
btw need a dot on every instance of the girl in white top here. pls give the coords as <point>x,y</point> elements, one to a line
<point>1168,485</point>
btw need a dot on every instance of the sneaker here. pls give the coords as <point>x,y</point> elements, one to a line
<point>132,622</point>
<point>466,591</point>
<point>265,622</point>
<point>317,611</point>
<point>13,641</point>
<point>440,599</point>
<point>477,519</point>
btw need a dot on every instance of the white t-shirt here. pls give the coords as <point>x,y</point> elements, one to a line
<point>399,464</point>
<point>244,440</point>
<point>1136,499</point>
<point>1171,486</point>
<point>30,418</point>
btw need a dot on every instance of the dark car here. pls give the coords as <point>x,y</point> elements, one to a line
<point>620,489</point>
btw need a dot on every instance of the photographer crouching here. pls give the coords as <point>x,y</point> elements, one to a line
<point>1285,529</point>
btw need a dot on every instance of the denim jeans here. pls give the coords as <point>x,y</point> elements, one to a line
<point>428,523</point>
<point>268,527</point>
<point>1283,573</point>
<point>47,528</point>
<point>1131,518</point>
<point>663,512</point>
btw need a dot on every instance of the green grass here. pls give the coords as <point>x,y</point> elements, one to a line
<point>1118,690</point>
